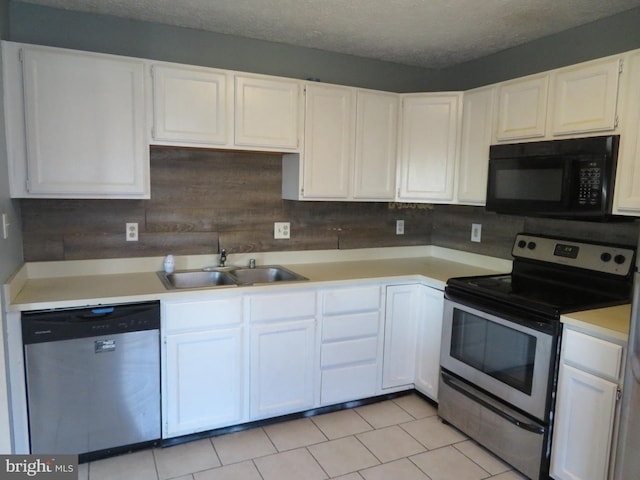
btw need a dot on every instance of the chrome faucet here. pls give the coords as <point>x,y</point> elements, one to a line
<point>223,257</point>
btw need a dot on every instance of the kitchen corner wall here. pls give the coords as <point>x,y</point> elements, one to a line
<point>203,200</point>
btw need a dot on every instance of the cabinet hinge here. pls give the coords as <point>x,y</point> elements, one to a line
<point>618,393</point>
<point>20,55</point>
<point>620,65</point>
<point>27,185</point>
<point>615,122</point>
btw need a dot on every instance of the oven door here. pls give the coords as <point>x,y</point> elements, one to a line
<point>507,359</point>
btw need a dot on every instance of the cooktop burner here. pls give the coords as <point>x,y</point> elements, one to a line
<point>555,276</point>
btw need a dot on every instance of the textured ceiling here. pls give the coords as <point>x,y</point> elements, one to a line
<point>426,33</point>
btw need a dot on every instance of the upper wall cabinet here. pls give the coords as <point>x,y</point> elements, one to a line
<point>195,106</point>
<point>571,101</point>
<point>522,108</point>
<point>584,97</point>
<point>627,188</point>
<point>266,112</point>
<point>477,133</point>
<point>350,146</point>
<point>190,105</point>
<point>76,124</point>
<point>430,125</point>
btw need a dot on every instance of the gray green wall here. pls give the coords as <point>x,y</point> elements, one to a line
<point>35,24</point>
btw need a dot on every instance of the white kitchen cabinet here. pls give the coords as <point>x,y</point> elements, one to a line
<point>584,97</point>
<point>585,420</point>
<point>284,358</point>
<point>328,142</point>
<point>350,146</point>
<point>403,310</point>
<point>522,108</point>
<point>351,350</point>
<point>476,138</point>
<point>429,340</point>
<point>429,132</point>
<point>190,105</point>
<point>374,176</point>
<point>627,188</point>
<point>204,364</point>
<point>76,124</point>
<point>267,112</point>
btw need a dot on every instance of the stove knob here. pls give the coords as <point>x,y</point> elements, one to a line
<point>522,244</point>
<point>619,259</point>
<point>531,245</point>
<point>605,257</point>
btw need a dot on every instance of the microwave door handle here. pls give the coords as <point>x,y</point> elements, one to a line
<point>531,427</point>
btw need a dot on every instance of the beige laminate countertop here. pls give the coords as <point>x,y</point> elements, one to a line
<point>66,285</point>
<point>83,290</point>
<point>610,322</point>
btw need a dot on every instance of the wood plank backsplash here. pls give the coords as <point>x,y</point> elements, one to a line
<point>203,200</point>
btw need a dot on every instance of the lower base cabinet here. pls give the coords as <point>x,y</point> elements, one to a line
<point>283,369</point>
<point>429,340</point>
<point>586,408</point>
<point>351,344</point>
<point>203,365</point>
<point>284,360</point>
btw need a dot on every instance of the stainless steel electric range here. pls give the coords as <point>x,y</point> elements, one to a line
<point>501,341</point>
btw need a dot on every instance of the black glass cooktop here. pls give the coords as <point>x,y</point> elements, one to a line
<point>549,296</point>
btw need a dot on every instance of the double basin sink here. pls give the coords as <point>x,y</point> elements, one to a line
<point>228,276</point>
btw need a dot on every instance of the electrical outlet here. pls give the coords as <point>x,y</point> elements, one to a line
<point>476,232</point>
<point>281,230</point>
<point>399,227</point>
<point>132,232</point>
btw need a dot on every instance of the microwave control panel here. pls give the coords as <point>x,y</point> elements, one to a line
<point>589,184</point>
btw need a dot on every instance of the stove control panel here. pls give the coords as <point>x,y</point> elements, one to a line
<point>598,257</point>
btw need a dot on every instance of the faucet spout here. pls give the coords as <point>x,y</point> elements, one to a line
<point>223,257</point>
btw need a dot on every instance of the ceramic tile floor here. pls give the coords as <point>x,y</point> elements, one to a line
<point>399,439</point>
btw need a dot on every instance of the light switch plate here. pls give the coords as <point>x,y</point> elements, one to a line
<point>399,227</point>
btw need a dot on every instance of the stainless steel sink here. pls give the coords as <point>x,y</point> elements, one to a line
<point>264,274</point>
<point>195,279</point>
<point>233,276</point>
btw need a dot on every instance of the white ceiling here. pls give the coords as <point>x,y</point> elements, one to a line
<point>425,33</point>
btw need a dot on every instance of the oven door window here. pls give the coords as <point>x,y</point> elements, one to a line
<point>503,353</point>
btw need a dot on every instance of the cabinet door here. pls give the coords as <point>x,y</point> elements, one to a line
<point>283,368</point>
<point>266,112</point>
<point>585,97</point>
<point>203,384</point>
<point>429,339</point>
<point>428,146</point>
<point>477,134</point>
<point>522,108</point>
<point>627,188</point>
<point>583,426</point>
<point>400,334</point>
<point>84,117</point>
<point>329,141</point>
<point>375,154</point>
<point>189,105</point>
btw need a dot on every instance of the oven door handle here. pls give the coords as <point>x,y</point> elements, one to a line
<point>530,427</point>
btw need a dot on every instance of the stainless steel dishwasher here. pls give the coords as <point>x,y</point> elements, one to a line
<point>93,378</point>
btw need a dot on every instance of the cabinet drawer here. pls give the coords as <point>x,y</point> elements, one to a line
<point>201,314</point>
<point>349,300</point>
<point>282,306</point>
<point>351,351</point>
<point>594,354</point>
<point>348,383</point>
<point>350,326</point>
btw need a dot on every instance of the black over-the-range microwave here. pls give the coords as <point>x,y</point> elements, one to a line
<point>571,178</point>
